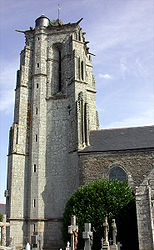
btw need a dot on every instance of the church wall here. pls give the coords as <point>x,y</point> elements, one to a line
<point>56,157</point>
<point>136,164</point>
<point>18,233</point>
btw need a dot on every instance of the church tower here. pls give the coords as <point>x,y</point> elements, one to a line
<point>55,109</point>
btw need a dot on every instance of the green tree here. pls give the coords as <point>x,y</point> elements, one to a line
<point>0,217</point>
<point>92,202</point>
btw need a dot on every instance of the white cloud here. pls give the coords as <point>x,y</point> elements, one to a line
<point>143,119</point>
<point>127,28</point>
<point>105,76</point>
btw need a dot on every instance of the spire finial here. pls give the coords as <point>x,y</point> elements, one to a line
<point>58,10</point>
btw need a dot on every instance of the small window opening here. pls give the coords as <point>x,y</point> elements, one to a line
<point>17,135</point>
<point>36,111</point>
<point>36,138</point>
<point>38,38</point>
<point>79,36</point>
<point>37,85</point>
<point>38,65</point>
<point>34,168</point>
<point>34,203</point>
<point>34,228</point>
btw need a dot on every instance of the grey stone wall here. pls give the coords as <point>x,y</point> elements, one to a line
<point>136,163</point>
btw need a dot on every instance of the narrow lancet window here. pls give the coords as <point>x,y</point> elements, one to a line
<point>79,68</point>
<point>79,36</point>
<point>36,138</point>
<point>17,136</point>
<point>82,71</point>
<point>34,203</point>
<point>86,123</point>
<point>59,72</point>
<point>82,123</point>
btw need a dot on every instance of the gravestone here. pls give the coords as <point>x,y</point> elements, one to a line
<point>73,230</point>
<point>87,235</point>
<point>68,246</point>
<point>119,245</point>
<point>3,226</point>
<point>27,246</point>
<point>102,241</point>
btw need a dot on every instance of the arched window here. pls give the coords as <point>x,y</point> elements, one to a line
<point>57,68</point>
<point>59,72</point>
<point>116,172</point>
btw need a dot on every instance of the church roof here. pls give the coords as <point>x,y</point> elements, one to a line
<point>121,139</point>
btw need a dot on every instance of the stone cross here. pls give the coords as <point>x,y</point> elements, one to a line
<point>106,241</point>
<point>3,226</point>
<point>73,230</point>
<point>87,236</point>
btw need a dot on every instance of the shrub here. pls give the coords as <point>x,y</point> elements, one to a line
<point>92,202</point>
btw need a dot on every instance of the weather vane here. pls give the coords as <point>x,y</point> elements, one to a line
<point>58,9</point>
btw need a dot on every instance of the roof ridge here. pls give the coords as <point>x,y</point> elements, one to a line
<point>103,129</point>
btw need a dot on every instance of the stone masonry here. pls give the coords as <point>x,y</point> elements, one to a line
<point>136,164</point>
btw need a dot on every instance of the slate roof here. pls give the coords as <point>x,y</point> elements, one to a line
<point>121,139</point>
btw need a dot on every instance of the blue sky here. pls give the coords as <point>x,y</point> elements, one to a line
<point>121,35</point>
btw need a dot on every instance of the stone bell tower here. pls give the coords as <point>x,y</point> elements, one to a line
<point>55,109</point>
